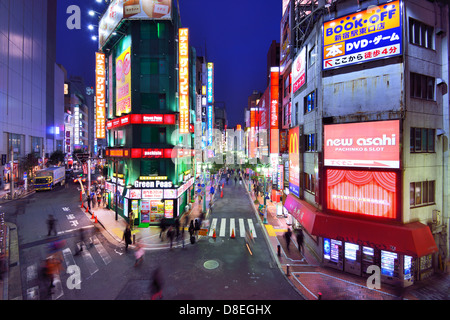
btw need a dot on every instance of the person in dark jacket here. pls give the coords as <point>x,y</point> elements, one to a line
<point>127,237</point>
<point>300,239</point>
<point>287,236</point>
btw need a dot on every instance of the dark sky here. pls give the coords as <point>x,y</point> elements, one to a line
<point>237,36</point>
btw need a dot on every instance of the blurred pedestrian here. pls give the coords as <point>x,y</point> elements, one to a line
<point>181,237</point>
<point>52,269</point>
<point>287,236</point>
<point>139,254</point>
<point>127,237</point>
<point>170,235</point>
<point>51,223</point>
<point>177,227</point>
<point>197,226</point>
<point>99,198</point>
<point>191,228</point>
<point>300,239</point>
<point>80,242</point>
<point>156,284</point>
<point>131,220</point>
<point>162,225</point>
<point>235,180</point>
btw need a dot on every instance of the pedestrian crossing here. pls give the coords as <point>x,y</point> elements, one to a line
<point>86,265</point>
<point>224,227</point>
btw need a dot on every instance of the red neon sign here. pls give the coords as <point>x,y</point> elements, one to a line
<point>163,119</point>
<point>369,193</point>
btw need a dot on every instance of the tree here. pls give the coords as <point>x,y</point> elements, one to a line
<point>28,162</point>
<point>56,157</point>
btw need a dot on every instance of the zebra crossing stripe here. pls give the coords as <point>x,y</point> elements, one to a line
<point>223,225</point>
<point>101,250</point>
<point>213,227</point>
<point>90,263</point>
<point>58,290</point>
<point>68,257</point>
<point>241,228</point>
<point>232,227</point>
<point>251,227</point>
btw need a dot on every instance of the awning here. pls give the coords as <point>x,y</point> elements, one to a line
<point>413,239</point>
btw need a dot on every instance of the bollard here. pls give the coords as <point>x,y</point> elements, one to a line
<point>134,239</point>
<point>320,296</point>
<point>279,250</point>
<point>287,270</point>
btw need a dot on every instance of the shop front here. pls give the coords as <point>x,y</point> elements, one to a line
<point>353,245</point>
<point>152,200</point>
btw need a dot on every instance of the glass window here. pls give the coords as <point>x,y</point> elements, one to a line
<point>411,193</point>
<point>418,186</point>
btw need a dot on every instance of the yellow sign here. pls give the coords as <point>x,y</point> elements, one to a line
<point>146,178</point>
<point>123,83</point>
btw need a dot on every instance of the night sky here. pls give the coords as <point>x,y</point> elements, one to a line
<point>237,36</point>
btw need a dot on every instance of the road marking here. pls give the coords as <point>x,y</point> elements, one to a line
<point>270,230</point>
<point>251,227</point>
<point>32,272</point>
<point>213,227</point>
<point>232,227</point>
<point>68,257</point>
<point>92,267</point>
<point>101,250</point>
<point>223,225</point>
<point>57,290</point>
<point>241,228</point>
<point>33,293</point>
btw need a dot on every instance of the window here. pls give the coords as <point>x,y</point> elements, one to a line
<point>310,142</point>
<point>309,182</point>
<point>422,140</point>
<point>421,86</point>
<point>420,34</point>
<point>312,56</point>
<point>421,193</point>
<point>310,102</point>
<point>287,85</point>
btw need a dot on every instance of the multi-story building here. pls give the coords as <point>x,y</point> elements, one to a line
<point>368,175</point>
<point>30,120</point>
<point>150,113</point>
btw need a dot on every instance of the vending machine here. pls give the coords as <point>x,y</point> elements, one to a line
<point>352,262</point>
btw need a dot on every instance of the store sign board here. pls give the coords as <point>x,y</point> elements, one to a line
<point>363,36</point>
<point>373,144</point>
<point>183,52</point>
<point>152,193</point>
<point>100,94</point>
<point>294,164</point>
<point>146,9</point>
<point>109,21</point>
<point>299,71</point>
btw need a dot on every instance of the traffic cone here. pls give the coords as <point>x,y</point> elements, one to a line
<point>214,234</point>
<point>93,215</point>
<point>87,209</point>
<point>221,194</point>
<point>232,234</point>
<point>95,221</point>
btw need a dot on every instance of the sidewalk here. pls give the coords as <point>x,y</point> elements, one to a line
<point>316,282</point>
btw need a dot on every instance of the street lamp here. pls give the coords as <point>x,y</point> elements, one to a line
<point>93,12</point>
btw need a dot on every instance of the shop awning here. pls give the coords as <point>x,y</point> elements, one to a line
<point>414,239</point>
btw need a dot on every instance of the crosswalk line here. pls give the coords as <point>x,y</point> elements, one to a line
<point>213,227</point>
<point>241,228</point>
<point>68,257</point>
<point>251,227</point>
<point>89,261</point>
<point>232,227</point>
<point>32,272</point>
<point>57,290</point>
<point>223,225</point>
<point>101,250</point>
<point>33,293</point>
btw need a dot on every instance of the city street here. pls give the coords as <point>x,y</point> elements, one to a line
<point>210,269</point>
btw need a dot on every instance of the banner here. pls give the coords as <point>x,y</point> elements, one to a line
<point>299,71</point>
<point>294,164</point>
<point>100,94</point>
<point>123,82</point>
<point>183,52</point>
<point>368,35</point>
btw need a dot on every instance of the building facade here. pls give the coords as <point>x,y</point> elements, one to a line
<point>368,139</point>
<point>31,121</point>
<point>150,114</point>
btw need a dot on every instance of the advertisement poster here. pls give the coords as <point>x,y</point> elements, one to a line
<point>370,193</point>
<point>156,210</point>
<point>373,144</point>
<point>294,170</point>
<point>368,35</point>
<point>109,21</point>
<point>168,210</point>
<point>145,211</point>
<point>123,82</point>
<point>147,9</point>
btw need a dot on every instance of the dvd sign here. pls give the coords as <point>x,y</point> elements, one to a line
<point>364,144</point>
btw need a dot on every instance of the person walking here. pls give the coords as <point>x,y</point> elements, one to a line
<point>300,239</point>
<point>170,235</point>
<point>287,236</point>
<point>52,269</point>
<point>156,285</point>
<point>162,225</point>
<point>127,237</point>
<point>197,227</point>
<point>235,180</point>
<point>139,254</point>
<point>177,227</point>
<point>80,242</point>
<point>131,220</point>
<point>51,224</point>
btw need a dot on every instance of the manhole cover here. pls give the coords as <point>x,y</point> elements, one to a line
<point>211,264</point>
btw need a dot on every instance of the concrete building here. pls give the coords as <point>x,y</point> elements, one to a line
<point>369,173</point>
<point>30,120</point>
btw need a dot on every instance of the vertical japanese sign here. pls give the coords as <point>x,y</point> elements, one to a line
<point>110,87</point>
<point>123,83</point>
<point>294,164</point>
<point>368,35</point>
<point>210,100</point>
<point>299,71</point>
<point>100,94</point>
<point>274,106</point>
<point>183,70</point>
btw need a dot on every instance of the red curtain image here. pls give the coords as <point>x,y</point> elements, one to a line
<point>369,193</point>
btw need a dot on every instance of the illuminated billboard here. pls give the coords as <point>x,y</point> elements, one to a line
<point>183,72</point>
<point>299,71</point>
<point>363,36</point>
<point>210,100</point>
<point>100,94</point>
<point>109,21</point>
<point>368,193</point>
<point>123,82</point>
<point>147,9</point>
<point>294,161</point>
<point>373,144</point>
